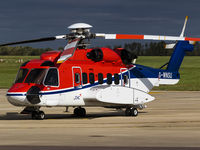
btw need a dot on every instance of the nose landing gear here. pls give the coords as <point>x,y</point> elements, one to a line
<point>35,112</point>
<point>38,115</point>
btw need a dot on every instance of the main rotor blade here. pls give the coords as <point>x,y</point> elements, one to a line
<point>146,37</point>
<point>68,50</point>
<point>36,40</point>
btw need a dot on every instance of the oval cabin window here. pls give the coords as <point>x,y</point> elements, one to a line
<point>109,78</point>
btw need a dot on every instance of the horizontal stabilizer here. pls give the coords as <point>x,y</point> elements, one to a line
<point>170,46</point>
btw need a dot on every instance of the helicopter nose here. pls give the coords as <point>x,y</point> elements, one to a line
<point>16,95</point>
<point>22,95</point>
<point>16,99</point>
<point>21,99</point>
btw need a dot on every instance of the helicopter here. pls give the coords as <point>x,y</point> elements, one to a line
<point>82,77</point>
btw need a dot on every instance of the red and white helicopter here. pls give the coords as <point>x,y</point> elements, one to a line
<point>83,77</point>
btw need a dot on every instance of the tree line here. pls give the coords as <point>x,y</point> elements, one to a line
<point>146,49</point>
<point>155,49</point>
<point>22,51</point>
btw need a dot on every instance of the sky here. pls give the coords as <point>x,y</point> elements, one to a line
<point>30,19</point>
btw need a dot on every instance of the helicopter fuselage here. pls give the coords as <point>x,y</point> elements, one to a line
<point>86,79</point>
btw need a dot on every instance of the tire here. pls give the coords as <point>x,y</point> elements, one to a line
<point>38,115</point>
<point>34,115</point>
<point>76,111</point>
<point>128,112</point>
<point>134,112</point>
<point>80,112</point>
<point>41,115</point>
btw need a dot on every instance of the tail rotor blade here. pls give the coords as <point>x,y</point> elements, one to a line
<point>183,30</point>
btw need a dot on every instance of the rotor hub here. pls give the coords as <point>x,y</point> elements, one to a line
<point>80,28</point>
<point>80,25</point>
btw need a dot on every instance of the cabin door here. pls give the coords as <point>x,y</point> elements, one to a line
<point>77,77</point>
<point>125,77</point>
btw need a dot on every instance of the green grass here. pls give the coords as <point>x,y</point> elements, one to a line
<point>9,68</point>
<point>190,71</point>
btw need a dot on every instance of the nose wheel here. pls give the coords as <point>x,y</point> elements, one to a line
<point>80,112</point>
<point>131,111</point>
<point>38,115</point>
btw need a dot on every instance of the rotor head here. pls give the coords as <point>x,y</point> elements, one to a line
<point>80,28</point>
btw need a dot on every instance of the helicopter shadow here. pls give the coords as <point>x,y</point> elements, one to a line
<point>18,116</point>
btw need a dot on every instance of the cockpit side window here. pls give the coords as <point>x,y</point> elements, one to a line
<point>36,76</point>
<point>51,77</point>
<point>21,75</point>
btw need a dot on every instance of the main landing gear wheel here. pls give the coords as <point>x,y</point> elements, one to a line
<point>38,115</point>
<point>131,111</point>
<point>80,112</point>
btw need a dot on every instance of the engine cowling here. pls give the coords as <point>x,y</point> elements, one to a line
<point>127,56</point>
<point>95,55</point>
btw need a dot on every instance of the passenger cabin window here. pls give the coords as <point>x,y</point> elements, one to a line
<point>91,76</point>
<point>109,78</point>
<point>116,78</point>
<point>21,75</point>
<point>36,76</point>
<point>125,78</point>
<point>52,77</point>
<point>85,79</point>
<point>100,78</point>
<point>77,77</point>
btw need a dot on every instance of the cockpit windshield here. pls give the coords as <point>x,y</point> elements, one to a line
<point>36,76</point>
<point>21,75</point>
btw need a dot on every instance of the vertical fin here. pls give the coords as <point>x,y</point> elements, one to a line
<point>170,46</point>
<point>178,55</point>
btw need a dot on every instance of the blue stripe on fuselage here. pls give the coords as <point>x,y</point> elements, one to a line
<point>14,94</point>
